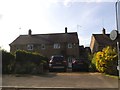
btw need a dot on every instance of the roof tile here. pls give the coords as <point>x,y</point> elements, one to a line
<point>46,38</point>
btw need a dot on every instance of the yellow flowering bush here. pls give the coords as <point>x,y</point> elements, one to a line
<point>106,60</point>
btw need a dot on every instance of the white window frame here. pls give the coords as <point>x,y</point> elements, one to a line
<point>30,47</point>
<point>42,46</point>
<point>56,45</point>
<point>70,45</point>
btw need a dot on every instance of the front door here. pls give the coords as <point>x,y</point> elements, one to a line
<point>69,62</point>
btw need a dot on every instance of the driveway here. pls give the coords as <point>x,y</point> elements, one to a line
<point>57,80</point>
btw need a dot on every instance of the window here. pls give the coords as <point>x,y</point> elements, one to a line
<point>30,47</point>
<point>42,46</point>
<point>17,48</point>
<point>69,45</point>
<point>56,45</point>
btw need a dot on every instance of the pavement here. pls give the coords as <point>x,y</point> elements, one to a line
<point>57,80</point>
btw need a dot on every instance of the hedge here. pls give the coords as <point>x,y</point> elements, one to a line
<point>8,62</point>
<point>23,62</point>
<point>30,62</point>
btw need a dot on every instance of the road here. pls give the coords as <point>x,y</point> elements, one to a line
<point>61,80</point>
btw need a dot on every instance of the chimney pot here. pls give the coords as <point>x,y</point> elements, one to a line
<point>65,29</point>
<point>104,31</point>
<point>30,32</point>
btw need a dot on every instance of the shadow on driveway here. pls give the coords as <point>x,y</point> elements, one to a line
<point>60,79</point>
<point>47,75</point>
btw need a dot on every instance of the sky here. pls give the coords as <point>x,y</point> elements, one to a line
<point>86,17</point>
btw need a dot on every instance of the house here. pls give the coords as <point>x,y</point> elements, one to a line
<point>66,44</point>
<point>84,52</point>
<point>100,41</point>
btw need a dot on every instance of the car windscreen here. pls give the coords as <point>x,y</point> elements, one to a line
<point>57,59</point>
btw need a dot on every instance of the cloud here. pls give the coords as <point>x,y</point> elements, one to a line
<point>67,3</point>
<point>1,16</point>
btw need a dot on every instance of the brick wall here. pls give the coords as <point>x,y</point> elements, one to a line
<point>49,49</point>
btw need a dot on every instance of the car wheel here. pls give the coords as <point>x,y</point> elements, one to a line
<point>65,70</point>
<point>73,70</point>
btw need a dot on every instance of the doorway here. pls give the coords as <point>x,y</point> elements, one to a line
<point>69,60</point>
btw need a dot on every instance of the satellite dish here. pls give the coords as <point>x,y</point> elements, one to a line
<point>114,35</point>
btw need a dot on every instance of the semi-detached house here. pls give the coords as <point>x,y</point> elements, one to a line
<point>100,41</point>
<point>66,44</point>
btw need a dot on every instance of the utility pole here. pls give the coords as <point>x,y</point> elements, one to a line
<point>118,28</point>
<point>117,24</point>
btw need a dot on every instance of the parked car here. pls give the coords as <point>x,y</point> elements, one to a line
<point>80,65</point>
<point>57,62</point>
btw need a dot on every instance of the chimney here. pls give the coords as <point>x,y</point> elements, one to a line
<point>103,31</point>
<point>65,29</point>
<point>29,32</point>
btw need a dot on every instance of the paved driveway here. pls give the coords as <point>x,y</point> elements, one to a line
<point>71,80</point>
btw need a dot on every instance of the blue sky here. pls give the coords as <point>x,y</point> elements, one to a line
<point>86,17</point>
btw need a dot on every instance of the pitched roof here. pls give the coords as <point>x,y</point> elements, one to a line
<point>104,39</point>
<point>46,38</point>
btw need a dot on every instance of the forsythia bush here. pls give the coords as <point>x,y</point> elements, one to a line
<point>106,61</point>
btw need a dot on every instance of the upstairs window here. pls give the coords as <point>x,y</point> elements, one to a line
<point>69,45</point>
<point>56,45</point>
<point>42,46</point>
<point>29,47</point>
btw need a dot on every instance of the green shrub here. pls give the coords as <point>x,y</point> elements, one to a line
<point>93,62</point>
<point>29,62</point>
<point>8,61</point>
